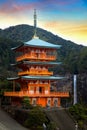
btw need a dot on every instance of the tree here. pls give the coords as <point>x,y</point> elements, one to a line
<point>82,64</point>
<point>26,103</point>
<point>79,112</point>
<point>36,118</point>
<point>51,126</point>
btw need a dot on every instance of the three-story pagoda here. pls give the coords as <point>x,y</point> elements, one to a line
<point>35,59</point>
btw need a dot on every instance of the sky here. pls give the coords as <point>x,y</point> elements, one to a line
<point>65,18</point>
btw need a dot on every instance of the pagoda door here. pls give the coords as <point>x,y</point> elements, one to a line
<point>55,102</point>
<point>25,88</point>
<point>41,89</point>
<point>49,102</point>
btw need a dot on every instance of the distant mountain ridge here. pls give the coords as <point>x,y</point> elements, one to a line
<point>25,33</point>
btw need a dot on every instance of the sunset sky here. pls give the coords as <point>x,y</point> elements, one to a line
<point>65,18</point>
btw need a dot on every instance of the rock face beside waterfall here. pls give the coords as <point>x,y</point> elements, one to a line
<point>68,85</point>
<point>82,87</point>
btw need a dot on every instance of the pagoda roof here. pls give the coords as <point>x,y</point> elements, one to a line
<point>37,63</point>
<point>42,77</point>
<point>42,63</point>
<point>36,42</point>
<point>37,78</point>
<point>13,78</point>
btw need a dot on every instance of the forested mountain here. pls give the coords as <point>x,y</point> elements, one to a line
<point>72,56</point>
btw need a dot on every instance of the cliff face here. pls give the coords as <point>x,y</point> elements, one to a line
<point>82,87</point>
<point>68,85</point>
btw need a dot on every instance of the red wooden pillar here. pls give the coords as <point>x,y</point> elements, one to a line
<point>59,102</point>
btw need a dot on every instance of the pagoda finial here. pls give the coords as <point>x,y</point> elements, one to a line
<point>35,18</point>
<point>35,24</point>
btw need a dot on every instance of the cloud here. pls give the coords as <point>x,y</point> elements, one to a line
<point>59,2</point>
<point>68,30</point>
<point>11,7</point>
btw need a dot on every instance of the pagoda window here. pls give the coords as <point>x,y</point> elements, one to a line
<point>28,49</point>
<point>36,82</point>
<point>31,82</point>
<point>44,68</point>
<point>41,82</point>
<point>45,82</point>
<point>32,50</point>
<point>36,67</point>
<point>43,51</point>
<point>38,51</point>
<point>31,88</point>
<point>34,101</point>
<point>32,67</point>
<point>40,68</point>
<point>37,55</point>
<point>40,89</point>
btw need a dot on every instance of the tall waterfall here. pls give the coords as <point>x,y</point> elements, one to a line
<point>75,89</point>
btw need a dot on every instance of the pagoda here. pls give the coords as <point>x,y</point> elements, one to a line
<point>34,59</point>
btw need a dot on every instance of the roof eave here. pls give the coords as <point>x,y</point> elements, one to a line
<point>42,78</point>
<point>15,48</point>
<point>14,78</point>
<point>55,47</point>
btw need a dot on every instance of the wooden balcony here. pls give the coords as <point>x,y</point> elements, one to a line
<point>39,84</point>
<point>33,57</point>
<point>26,93</point>
<point>35,72</point>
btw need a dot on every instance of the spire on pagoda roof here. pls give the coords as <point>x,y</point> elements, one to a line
<point>35,41</point>
<point>35,25</point>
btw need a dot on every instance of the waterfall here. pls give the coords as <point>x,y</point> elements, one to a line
<point>75,89</point>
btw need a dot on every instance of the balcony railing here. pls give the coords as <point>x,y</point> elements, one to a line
<point>27,56</point>
<point>39,84</point>
<point>26,93</point>
<point>35,72</point>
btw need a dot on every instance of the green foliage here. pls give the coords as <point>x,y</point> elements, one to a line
<point>82,64</point>
<point>5,86</point>
<point>71,61</point>
<point>6,55</point>
<point>19,32</point>
<point>79,112</point>
<point>26,103</point>
<point>36,118</point>
<point>51,126</point>
<point>81,124</point>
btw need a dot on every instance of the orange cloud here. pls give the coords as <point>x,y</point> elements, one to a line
<point>76,32</point>
<point>66,26</point>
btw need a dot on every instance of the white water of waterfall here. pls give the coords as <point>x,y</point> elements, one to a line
<point>75,89</point>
